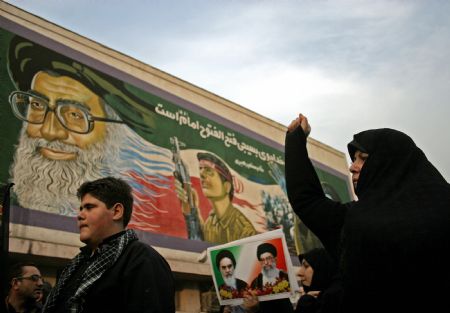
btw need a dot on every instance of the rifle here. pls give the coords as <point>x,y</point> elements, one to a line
<point>182,174</point>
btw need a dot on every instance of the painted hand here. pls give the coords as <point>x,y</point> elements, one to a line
<point>183,195</point>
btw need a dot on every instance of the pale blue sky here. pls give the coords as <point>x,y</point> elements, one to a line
<point>347,65</point>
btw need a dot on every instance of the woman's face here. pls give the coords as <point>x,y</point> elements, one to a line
<point>356,166</point>
<point>305,273</point>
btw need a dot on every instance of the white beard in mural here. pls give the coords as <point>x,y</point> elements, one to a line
<point>51,185</point>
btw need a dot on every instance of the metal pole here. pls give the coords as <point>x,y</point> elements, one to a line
<point>4,248</point>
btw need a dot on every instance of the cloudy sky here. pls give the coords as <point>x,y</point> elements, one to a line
<point>347,65</point>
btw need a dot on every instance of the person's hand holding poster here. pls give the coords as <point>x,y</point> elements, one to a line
<point>260,264</point>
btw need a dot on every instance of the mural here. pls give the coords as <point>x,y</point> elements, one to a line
<point>195,176</point>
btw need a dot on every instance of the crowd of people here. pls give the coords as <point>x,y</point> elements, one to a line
<point>28,291</point>
<point>374,247</point>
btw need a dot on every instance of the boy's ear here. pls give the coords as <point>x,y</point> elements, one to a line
<point>118,211</point>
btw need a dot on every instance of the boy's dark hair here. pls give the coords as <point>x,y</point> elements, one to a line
<point>110,190</point>
<point>16,270</point>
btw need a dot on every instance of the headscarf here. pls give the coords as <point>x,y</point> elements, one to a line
<point>394,162</point>
<point>323,266</point>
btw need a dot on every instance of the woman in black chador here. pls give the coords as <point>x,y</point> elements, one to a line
<point>393,244</point>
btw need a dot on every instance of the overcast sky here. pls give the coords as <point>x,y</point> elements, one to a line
<point>347,65</point>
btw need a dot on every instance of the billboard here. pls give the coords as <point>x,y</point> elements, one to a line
<point>198,178</point>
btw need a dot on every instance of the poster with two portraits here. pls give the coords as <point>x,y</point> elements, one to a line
<point>260,264</point>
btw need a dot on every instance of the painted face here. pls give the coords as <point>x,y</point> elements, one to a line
<point>95,221</point>
<point>29,284</point>
<point>68,90</point>
<point>226,267</point>
<point>305,273</point>
<point>356,166</point>
<point>212,184</point>
<point>267,261</point>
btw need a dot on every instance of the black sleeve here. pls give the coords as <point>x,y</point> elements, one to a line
<point>306,304</point>
<point>148,283</point>
<point>331,299</point>
<point>273,306</point>
<point>323,216</point>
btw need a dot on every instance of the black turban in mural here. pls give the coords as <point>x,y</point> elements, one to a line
<point>266,247</point>
<point>225,254</point>
<point>26,58</point>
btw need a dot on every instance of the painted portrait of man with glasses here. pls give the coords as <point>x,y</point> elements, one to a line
<point>79,124</point>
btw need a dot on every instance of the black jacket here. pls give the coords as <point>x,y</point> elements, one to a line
<point>139,281</point>
<point>276,306</point>
<point>395,237</point>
